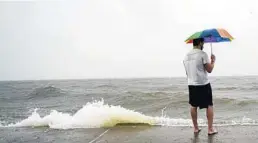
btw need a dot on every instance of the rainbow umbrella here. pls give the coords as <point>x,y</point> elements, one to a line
<point>211,36</point>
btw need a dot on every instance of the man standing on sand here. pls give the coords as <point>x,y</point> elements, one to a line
<point>197,64</point>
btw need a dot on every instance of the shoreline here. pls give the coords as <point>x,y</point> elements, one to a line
<point>130,134</point>
<point>234,134</point>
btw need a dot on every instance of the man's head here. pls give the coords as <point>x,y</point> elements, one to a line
<point>198,43</point>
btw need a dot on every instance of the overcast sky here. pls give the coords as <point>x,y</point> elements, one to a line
<point>121,38</point>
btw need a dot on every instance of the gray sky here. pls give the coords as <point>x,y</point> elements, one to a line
<point>121,38</point>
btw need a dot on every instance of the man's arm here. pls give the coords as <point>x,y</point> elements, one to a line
<point>209,66</point>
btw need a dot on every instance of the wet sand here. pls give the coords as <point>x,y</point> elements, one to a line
<point>130,134</point>
<point>230,134</point>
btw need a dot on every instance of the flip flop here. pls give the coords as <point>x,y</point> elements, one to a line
<point>213,133</point>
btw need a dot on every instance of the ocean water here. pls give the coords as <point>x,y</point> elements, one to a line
<point>37,107</point>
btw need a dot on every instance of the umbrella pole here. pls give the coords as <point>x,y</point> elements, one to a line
<point>211,48</point>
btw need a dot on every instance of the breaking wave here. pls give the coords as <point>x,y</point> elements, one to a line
<point>96,114</point>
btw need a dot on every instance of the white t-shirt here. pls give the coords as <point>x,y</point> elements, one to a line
<point>194,65</point>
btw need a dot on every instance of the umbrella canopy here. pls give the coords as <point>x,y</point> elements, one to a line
<point>211,36</point>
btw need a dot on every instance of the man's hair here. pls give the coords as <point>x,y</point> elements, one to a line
<point>196,42</point>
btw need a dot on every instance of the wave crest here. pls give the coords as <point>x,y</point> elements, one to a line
<point>44,91</point>
<point>97,114</point>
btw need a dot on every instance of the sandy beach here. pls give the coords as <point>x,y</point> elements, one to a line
<point>131,134</point>
<point>230,134</point>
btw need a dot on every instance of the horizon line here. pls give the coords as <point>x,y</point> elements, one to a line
<point>118,78</point>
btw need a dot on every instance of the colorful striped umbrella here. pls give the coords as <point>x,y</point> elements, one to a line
<point>211,36</point>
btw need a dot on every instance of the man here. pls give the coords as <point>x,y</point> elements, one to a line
<point>197,64</point>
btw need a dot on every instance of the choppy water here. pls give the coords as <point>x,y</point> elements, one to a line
<point>73,104</point>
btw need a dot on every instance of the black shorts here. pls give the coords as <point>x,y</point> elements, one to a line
<point>200,95</point>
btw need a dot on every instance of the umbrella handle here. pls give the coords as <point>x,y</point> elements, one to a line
<point>211,48</point>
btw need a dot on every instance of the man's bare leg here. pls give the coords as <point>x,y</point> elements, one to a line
<point>209,113</point>
<point>194,118</point>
